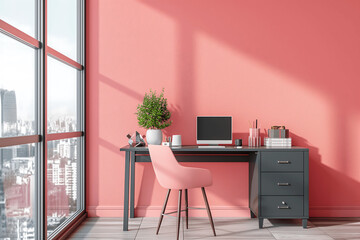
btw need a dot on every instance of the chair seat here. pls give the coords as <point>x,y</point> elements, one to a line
<point>187,178</point>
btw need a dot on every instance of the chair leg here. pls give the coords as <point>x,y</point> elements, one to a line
<point>163,211</point>
<point>179,215</point>
<point>208,210</point>
<point>186,209</point>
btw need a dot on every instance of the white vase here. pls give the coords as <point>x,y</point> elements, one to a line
<point>154,136</point>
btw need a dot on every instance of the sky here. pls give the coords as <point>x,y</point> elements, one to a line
<point>17,60</point>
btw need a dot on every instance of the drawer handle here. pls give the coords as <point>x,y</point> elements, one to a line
<point>283,184</point>
<point>283,207</point>
<point>283,162</point>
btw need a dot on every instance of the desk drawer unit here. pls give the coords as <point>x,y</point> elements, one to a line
<point>282,206</point>
<point>284,185</point>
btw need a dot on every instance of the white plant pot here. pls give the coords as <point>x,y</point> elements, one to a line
<point>154,136</point>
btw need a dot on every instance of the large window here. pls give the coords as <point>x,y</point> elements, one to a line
<point>41,117</point>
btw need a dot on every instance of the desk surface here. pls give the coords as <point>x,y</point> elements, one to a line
<point>194,148</point>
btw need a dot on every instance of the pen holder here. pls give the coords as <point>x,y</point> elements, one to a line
<point>254,137</point>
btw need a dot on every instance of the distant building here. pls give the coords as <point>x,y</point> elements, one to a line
<point>8,106</point>
<point>2,209</point>
<point>8,114</point>
<point>71,179</point>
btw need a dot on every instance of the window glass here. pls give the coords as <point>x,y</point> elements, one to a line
<point>62,26</point>
<point>17,88</point>
<point>63,181</point>
<point>62,97</point>
<point>20,14</point>
<point>18,192</point>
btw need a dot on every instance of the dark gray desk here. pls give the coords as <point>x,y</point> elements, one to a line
<point>278,177</point>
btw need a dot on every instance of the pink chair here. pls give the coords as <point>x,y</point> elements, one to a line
<point>172,175</point>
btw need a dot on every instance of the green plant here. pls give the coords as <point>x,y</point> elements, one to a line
<point>153,112</point>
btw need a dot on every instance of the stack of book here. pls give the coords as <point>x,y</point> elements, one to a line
<point>278,142</point>
<point>278,138</point>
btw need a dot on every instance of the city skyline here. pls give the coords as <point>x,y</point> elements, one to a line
<point>12,126</point>
<point>18,171</point>
<point>17,194</point>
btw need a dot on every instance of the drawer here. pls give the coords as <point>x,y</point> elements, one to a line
<point>282,184</point>
<point>282,161</point>
<point>282,206</point>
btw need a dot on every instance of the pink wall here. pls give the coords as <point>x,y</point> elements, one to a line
<point>294,63</point>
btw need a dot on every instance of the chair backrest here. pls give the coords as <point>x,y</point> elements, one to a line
<point>166,167</point>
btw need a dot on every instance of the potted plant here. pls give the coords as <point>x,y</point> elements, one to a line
<point>153,115</point>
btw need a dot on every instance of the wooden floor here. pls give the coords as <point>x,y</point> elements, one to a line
<point>226,228</point>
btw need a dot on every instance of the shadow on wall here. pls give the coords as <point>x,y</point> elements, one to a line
<point>317,42</point>
<point>340,184</point>
<point>318,48</point>
<point>176,113</point>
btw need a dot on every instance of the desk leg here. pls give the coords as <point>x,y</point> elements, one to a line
<point>132,185</point>
<point>304,223</point>
<point>126,192</point>
<point>261,222</point>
